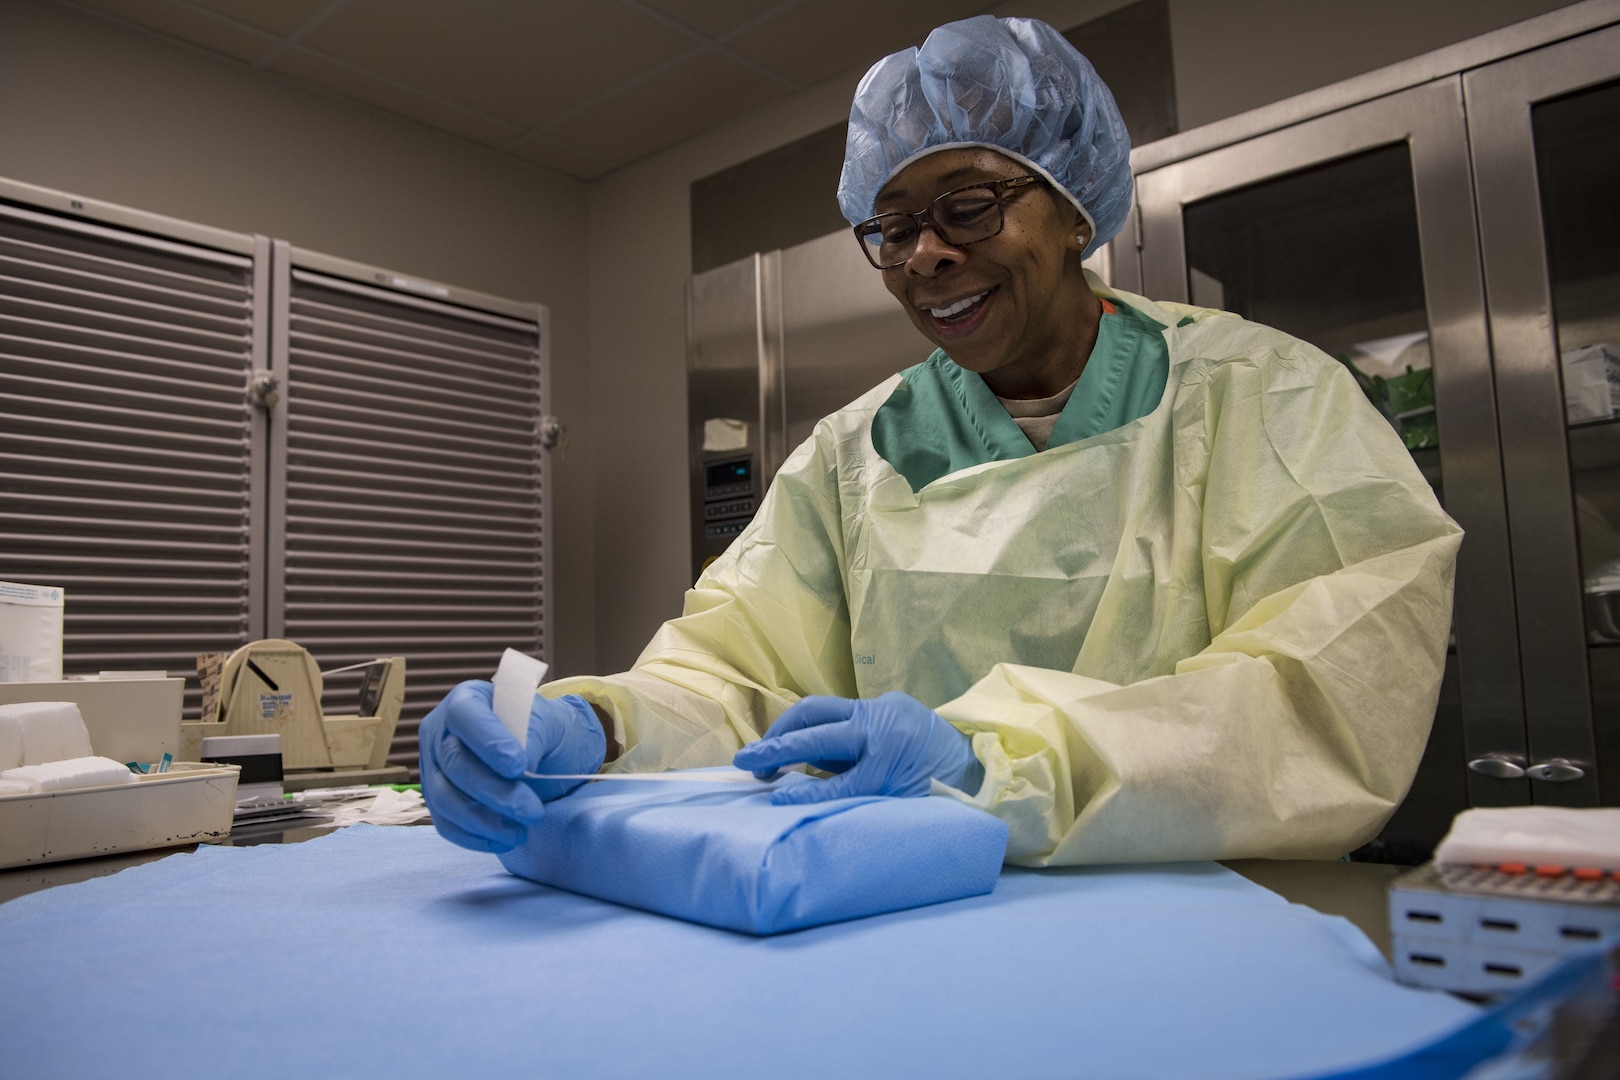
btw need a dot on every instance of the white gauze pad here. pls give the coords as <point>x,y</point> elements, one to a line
<point>82,772</point>
<point>516,680</point>
<point>34,732</point>
<point>1535,836</point>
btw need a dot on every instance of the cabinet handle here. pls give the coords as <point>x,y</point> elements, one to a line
<point>1499,766</point>
<point>262,388</point>
<point>1556,770</point>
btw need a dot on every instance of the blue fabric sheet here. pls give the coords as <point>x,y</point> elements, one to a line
<point>390,952</point>
<point>724,856</point>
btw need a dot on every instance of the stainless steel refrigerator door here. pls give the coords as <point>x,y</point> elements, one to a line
<point>843,333</point>
<point>725,351</point>
<point>1545,134</point>
<point>1354,229</point>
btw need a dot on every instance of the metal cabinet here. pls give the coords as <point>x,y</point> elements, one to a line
<point>1447,227</point>
<point>775,342</point>
<point>1544,129</point>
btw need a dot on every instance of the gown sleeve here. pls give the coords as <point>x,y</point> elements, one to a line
<point>1326,568</point>
<point>765,625</point>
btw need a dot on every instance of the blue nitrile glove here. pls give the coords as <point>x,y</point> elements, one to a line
<point>891,745</point>
<point>471,764</point>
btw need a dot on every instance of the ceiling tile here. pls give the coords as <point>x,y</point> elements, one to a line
<point>564,159</point>
<point>280,17</point>
<point>712,17</point>
<point>523,61</point>
<point>702,92</point>
<point>814,40</point>
<point>316,70</point>
<point>580,86</point>
<point>218,34</point>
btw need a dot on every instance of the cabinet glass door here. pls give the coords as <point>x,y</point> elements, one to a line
<point>1331,254</point>
<point>1355,232</point>
<point>1546,129</point>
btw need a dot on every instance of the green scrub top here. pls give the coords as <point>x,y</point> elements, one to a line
<point>943,418</point>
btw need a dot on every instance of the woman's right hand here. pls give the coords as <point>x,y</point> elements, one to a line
<point>472,767</point>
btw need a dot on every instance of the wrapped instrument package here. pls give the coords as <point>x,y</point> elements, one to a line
<point>723,855</point>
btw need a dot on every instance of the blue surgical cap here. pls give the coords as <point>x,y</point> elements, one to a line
<point>1012,85</point>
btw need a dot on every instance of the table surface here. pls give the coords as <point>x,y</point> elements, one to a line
<point>1356,891</point>
<point>316,958</point>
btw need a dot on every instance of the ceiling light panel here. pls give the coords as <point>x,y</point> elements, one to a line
<point>519,60</point>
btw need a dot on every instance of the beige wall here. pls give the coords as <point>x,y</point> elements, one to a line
<point>640,261</point>
<point>1230,56</point>
<point>93,108</point>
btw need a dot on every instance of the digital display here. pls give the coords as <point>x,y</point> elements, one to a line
<point>730,472</point>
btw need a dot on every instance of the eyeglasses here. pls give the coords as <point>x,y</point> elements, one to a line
<point>963,216</point>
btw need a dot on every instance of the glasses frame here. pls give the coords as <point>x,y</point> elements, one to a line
<point>998,189</point>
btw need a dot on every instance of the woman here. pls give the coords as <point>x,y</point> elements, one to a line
<point>1149,582</point>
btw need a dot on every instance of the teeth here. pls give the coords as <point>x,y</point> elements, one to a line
<point>958,307</point>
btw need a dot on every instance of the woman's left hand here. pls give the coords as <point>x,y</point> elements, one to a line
<point>891,745</point>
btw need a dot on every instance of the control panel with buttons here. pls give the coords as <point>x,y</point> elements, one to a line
<point>729,502</point>
<point>735,508</point>
<point>724,530</point>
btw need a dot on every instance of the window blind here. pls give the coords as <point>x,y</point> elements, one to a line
<point>126,451</point>
<point>409,520</point>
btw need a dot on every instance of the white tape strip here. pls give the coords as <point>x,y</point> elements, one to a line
<point>516,680</point>
<point>661,777</point>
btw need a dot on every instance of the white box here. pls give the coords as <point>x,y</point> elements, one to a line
<point>190,802</point>
<point>1591,384</point>
<point>128,719</point>
<point>1466,967</point>
<point>30,632</point>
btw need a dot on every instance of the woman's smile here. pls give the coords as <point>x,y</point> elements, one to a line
<point>960,318</point>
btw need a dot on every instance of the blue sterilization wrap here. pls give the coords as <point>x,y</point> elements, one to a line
<point>725,857</point>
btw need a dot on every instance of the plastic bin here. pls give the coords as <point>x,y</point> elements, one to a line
<point>189,803</point>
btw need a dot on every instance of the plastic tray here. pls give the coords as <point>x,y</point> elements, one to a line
<point>190,802</point>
